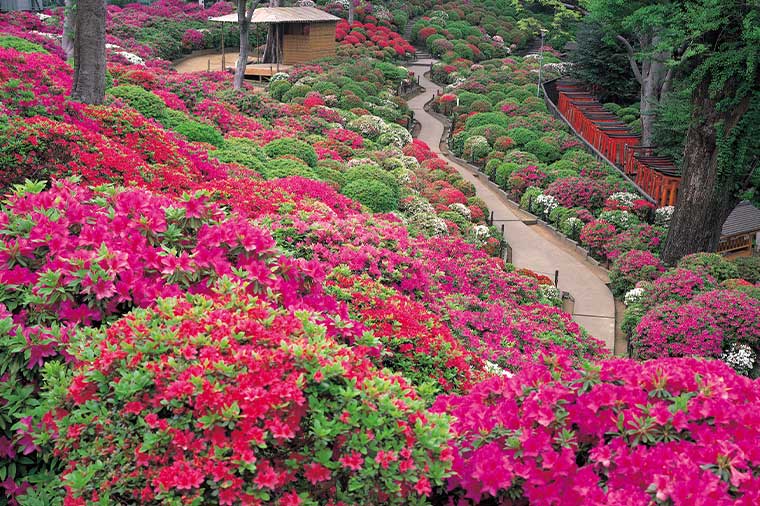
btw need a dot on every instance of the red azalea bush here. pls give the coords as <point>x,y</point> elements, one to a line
<point>596,234</point>
<point>579,192</point>
<point>633,267</point>
<point>672,431</point>
<point>235,400</point>
<point>413,340</point>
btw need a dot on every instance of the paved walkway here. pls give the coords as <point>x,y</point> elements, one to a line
<point>533,247</point>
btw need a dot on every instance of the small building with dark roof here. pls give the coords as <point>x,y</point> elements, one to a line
<point>740,231</point>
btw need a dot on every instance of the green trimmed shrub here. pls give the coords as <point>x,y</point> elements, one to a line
<point>292,146</point>
<point>172,118</point>
<point>278,89</point>
<point>195,131</point>
<point>372,172</point>
<point>522,136</point>
<point>487,118</point>
<point>503,172</point>
<point>372,193</point>
<point>243,152</point>
<point>710,263</point>
<point>283,167</point>
<point>748,268</point>
<point>545,152</point>
<point>297,91</point>
<point>21,45</point>
<point>145,102</point>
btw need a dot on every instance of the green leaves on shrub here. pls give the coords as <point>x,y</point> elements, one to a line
<point>147,103</point>
<point>372,193</point>
<point>294,147</point>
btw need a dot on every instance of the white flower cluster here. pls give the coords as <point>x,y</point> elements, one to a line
<point>624,198</point>
<point>481,232</point>
<point>559,68</point>
<point>621,219</point>
<point>421,213</point>
<point>634,296</point>
<point>442,15</point>
<point>393,134</point>
<point>492,368</point>
<point>131,57</point>
<point>279,76</point>
<point>403,176</point>
<point>382,12</point>
<point>550,292</point>
<point>368,125</point>
<point>410,163</point>
<point>343,3</point>
<point>461,209</point>
<point>355,162</point>
<point>305,3</point>
<point>51,36</point>
<point>545,204</point>
<point>740,357</point>
<point>663,215</point>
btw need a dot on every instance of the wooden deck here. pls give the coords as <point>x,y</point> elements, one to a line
<point>265,70</point>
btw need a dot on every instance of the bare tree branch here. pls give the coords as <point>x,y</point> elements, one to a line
<point>631,58</point>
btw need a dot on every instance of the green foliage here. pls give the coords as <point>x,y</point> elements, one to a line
<point>283,167</point>
<point>711,264</point>
<point>195,131</point>
<point>372,193</point>
<point>244,152</point>
<point>278,89</point>
<point>603,64</point>
<point>748,268</point>
<point>522,136</point>
<point>19,44</point>
<point>147,103</point>
<point>291,146</point>
<point>374,173</point>
<point>546,153</point>
<point>487,118</point>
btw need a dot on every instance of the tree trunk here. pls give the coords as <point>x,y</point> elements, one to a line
<point>90,52</point>
<point>705,196</point>
<point>351,12</point>
<point>273,49</point>
<point>67,42</point>
<point>242,61</point>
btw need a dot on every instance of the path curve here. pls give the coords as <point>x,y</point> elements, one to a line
<point>533,247</point>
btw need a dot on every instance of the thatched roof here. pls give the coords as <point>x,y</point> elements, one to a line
<point>282,15</point>
<point>745,218</point>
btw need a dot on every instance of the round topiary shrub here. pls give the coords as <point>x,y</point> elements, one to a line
<point>195,131</point>
<point>278,89</point>
<point>294,147</point>
<point>545,152</point>
<point>145,102</point>
<point>680,285</point>
<point>372,193</point>
<point>283,167</point>
<point>487,118</point>
<point>243,152</point>
<point>748,269</point>
<point>711,264</point>
<point>632,267</point>
<point>522,136</point>
<point>670,431</point>
<point>232,399</point>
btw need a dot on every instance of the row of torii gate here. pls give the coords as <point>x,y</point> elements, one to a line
<point>657,176</point>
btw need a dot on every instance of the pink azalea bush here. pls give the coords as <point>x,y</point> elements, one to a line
<point>633,267</point>
<point>678,431</point>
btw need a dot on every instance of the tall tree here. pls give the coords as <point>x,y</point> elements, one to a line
<point>90,52</point>
<point>67,40</point>
<point>351,11</point>
<point>722,149</point>
<point>644,29</point>
<point>273,48</point>
<point>245,10</point>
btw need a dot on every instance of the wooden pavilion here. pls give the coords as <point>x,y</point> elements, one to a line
<point>300,35</point>
<point>740,231</point>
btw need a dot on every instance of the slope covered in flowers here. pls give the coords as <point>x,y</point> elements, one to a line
<point>279,297</point>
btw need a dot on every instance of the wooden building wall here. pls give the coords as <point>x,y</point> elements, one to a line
<point>315,41</point>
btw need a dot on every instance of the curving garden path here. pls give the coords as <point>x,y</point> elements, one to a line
<point>533,247</point>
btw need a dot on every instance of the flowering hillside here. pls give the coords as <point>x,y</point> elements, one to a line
<point>278,296</point>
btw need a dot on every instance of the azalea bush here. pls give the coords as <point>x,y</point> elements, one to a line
<point>676,431</point>
<point>227,399</point>
<point>633,267</point>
